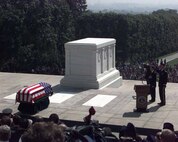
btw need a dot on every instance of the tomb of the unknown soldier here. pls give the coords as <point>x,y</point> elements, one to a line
<point>90,63</point>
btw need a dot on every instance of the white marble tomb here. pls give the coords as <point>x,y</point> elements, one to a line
<point>90,63</point>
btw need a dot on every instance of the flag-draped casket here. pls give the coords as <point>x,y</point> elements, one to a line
<point>32,94</point>
<point>34,98</point>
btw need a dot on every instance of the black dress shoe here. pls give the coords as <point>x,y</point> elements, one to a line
<point>161,104</point>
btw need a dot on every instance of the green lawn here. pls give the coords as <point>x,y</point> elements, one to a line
<point>168,55</point>
<point>173,62</point>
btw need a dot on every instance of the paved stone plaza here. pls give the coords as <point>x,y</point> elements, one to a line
<point>113,105</point>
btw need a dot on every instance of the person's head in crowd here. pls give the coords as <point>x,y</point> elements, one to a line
<point>130,130</point>
<point>16,120</point>
<point>167,136</point>
<point>43,132</point>
<point>54,118</point>
<point>150,138</point>
<point>7,111</point>
<point>5,133</point>
<point>168,125</point>
<point>6,120</point>
<point>107,131</point>
<point>122,131</point>
<point>25,123</point>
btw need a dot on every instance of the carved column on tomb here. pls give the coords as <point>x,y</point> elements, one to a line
<point>98,62</point>
<point>67,67</point>
<point>112,56</point>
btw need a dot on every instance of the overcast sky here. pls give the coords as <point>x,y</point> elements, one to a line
<point>132,5</point>
<point>150,2</point>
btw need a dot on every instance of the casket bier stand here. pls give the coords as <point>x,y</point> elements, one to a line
<point>32,108</point>
<point>141,97</point>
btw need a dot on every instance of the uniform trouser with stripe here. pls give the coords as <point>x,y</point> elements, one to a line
<point>162,94</point>
<point>152,92</point>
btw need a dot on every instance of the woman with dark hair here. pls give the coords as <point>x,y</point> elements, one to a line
<point>54,118</point>
<point>129,133</point>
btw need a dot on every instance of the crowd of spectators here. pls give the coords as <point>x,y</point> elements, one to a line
<point>129,71</point>
<point>173,73</point>
<point>16,128</point>
<point>136,71</point>
<point>24,128</point>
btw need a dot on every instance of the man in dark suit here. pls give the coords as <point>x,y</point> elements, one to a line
<point>163,78</point>
<point>147,73</point>
<point>152,83</point>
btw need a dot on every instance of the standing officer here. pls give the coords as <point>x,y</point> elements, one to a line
<point>163,78</point>
<point>147,73</point>
<point>152,83</point>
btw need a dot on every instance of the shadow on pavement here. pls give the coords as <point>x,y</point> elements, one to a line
<point>154,108</point>
<point>132,114</point>
<point>58,88</point>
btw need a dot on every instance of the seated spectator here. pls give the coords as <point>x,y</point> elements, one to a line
<point>20,125</point>
<point>43,132</point>
<point>7,112</point>
<point>25,123</point>
<point>6,120</point>
<point>16,120</point>
<point>129,133</point>
<point>168,125</point>
<point>5,133</point>
<point>55,118</point>
<point>168,136</point>
<point>151,138</point>
<point>16,130</point>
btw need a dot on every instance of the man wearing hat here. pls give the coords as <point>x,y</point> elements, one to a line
<point>7,111</point>
<point>163,78</point>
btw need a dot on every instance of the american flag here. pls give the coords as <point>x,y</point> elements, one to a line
<point>33,93</point>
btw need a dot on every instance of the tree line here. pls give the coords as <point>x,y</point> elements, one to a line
<point>33,33</point>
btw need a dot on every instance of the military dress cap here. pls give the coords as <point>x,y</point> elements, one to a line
<point>7,111</point>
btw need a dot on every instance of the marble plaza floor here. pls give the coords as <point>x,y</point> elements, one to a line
<point>114,106</point>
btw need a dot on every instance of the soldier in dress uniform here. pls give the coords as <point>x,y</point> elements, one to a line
<point>163,78</point>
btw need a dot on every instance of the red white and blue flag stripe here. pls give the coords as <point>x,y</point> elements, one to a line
<point>33,93</point>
